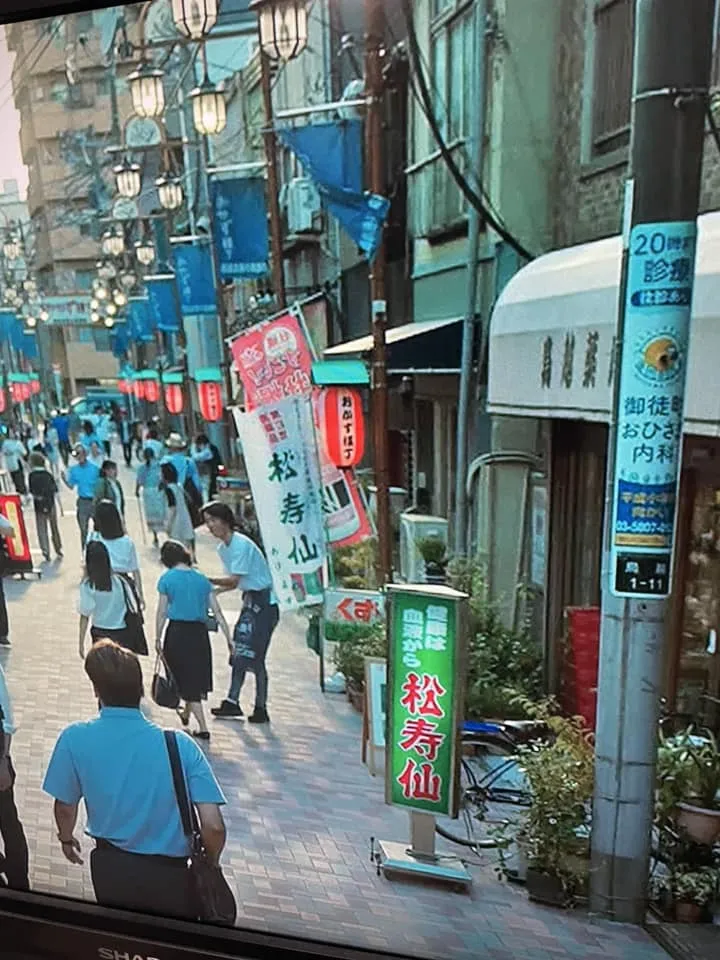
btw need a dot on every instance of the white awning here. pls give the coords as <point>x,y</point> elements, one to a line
<point>553,327</point>
<point>427,349</point>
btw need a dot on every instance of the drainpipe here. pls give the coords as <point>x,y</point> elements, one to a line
<point>460,539</point>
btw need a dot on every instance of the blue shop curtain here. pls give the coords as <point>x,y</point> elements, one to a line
<point>195,282</point>
<point>331,154</point>
<point>240,226</point>
<point>163,304</point>
<point>139,321</point>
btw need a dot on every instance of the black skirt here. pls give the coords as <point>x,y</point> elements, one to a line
<point>125,637</point>
<point>189,658</point>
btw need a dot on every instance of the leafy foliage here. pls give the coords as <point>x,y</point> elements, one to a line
<point>360,641</point>
<point>354,566</point>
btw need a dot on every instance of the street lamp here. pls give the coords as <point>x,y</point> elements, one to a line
<point>195,18</point>
<point>111,309</point>
<point>283,27</point>
<point>208,103</point>
<point>170,192</point>
<point>146,90</point>
<point>109,322</point>
<point>145,252</point>
<point>128,180</point>
<point>44,316</point>
<point>106,270</point>
<point>31,322</point>
<point>94,317</point>
<point>100,293</point>
<point>11,248</point>
<point>113,243</point>
<point>127,279</point>
<point>29,286</point>
<point>119,298</point>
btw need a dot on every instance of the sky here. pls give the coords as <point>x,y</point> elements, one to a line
<point>11,165</point>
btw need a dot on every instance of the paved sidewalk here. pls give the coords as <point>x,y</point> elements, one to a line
<point>301,806</point>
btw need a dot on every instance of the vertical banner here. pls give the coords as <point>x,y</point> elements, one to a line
<point>19,558</point>
<point>139,320</point>
<point>426,649</point>
<point>163,303</point>
<point>195,281</point>
<point>653,368</point>
<point>278,447</point>
<point>240,226</point>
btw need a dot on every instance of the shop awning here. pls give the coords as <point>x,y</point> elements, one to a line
<point>345,373</point>
<point>428,346</point>
<point>553,327</point>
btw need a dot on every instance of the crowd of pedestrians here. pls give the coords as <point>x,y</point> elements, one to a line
<point>138,842</point>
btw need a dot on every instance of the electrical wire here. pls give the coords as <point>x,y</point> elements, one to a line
<point>425,102</point>
<point>51,36</point>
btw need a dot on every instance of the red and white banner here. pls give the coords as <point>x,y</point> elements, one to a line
<point>18,545</point>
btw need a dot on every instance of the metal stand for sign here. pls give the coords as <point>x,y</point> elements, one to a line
<point>420,859</point>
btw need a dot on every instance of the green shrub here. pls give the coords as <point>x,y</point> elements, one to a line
<point>358,642</point>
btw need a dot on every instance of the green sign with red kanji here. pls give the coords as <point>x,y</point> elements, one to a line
<point>426,651</point>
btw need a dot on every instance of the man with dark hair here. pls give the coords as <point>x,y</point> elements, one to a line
<point>118,763</point>
<point>208,460</point>
<point>14,864</point>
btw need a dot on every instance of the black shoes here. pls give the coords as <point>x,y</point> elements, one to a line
<point>227,711</point>
<point>259,716</point>
<point>4,642</point>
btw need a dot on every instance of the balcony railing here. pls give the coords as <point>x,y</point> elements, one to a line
<point>435,202</point>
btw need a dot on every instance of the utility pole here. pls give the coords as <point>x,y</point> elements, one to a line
<point>673,46</point>
<point>270,144</point>
<point>374,134</point>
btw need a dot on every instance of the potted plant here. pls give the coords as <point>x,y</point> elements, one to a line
<point>692,892</point>
<point>688,776</point>
<point>433,550</point>
<point>354,643</point>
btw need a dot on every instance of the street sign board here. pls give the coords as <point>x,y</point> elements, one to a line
<point>648,446</point>
<point>426,652</point>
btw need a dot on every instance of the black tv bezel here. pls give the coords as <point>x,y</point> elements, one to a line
<point>56,928</point>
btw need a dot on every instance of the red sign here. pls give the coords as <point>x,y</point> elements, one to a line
<point>343,426</point>
<point>3,400</point>
<point>152,390</point>
<point>210,395</point>
<point>273,360</point>
<point>173,398</point>
<point>18,545</point>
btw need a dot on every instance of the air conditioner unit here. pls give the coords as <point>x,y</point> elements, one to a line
<point>415,527</point>
<point>303,206</point>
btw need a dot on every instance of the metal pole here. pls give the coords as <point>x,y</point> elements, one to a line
<point>672,68</point>
<point>375,86</point>
<point>269,140</point>
<point>460,529</point>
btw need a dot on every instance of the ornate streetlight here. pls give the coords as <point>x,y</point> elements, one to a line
<point>170,192</point>
<point>119,298</point>
<point>128,179</point>
<point>127,279</point>
<point>208,104</point>
<point>11,247</point>
<point>110,309</point>
<point>94,317</point>
<point>195,18</point>
<point>283,27</point>
<point>31,322</point>
<point>106,270</point>
<point>146,90</point>
<point>145,251</point>
<point>44,316</point>
<point>113,243</point>
<point>109,322</point>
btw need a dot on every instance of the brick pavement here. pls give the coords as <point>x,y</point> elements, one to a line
<point>301,806</point>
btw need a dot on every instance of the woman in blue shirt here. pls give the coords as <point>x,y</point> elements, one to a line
<point>184,598</point>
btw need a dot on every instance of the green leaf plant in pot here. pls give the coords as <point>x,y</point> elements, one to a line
<point>692,892</point>
<point>433,550</point>
<point>688,779</point>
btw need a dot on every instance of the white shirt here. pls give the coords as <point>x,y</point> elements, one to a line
<point>12,450</point>
<point>8,721</point>
<point>106,608</point>
<point>241,557</point>
<point>123,555</point>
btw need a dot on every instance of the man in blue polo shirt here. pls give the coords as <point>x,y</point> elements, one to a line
<point>119,765</point>
<point>84,476</point>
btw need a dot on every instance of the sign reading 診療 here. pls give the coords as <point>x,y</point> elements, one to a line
<point>425,696</point>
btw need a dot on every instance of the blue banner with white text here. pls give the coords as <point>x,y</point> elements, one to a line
<point>195,281</point>
<point>241,226</point>
<point>163,303</point>
<point>139,321</point>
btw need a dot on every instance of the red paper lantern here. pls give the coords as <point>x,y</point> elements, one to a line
<point>3,400</point>
<point>174,398</point>
<point>152,391</point>
<point>139,389</point>
<point>124,386</point>
<point>25,391</point>
<point>343,426</point>
<point>211,405</point>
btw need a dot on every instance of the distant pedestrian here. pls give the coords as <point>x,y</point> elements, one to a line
<point>103,427</point>
<point>246,569</point>
<point>52,447</point>
<point>155,503</point>
<point>153,442</point>
<point>178,524</point>
<point>109,530</point>
<point>104,602</point>
<point>184,465</point>
<point>14,862</point>
<point>124,429</point>
<point>6,530</point>
<point>88,436</point>
<point>83,475</point>
<point>43,490</point>
<point>137,439</point>
<point>96,455</point>
<point>118,764</point>
<point>208,460</point>
<point>108,486</point>
<point>14,451</point>
<point>185,597</point>
<point>61,422</point>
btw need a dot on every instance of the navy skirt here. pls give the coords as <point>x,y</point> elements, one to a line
<point>189,658</point>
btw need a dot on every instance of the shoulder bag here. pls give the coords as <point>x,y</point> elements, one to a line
<point>134,619</point>
<point>163,688</point>
<point>214,900</point>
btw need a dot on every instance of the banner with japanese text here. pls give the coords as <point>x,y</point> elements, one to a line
<point>425,699</point>
<point>282,469</point>
<point>240,226</point>
<point>163,303</point>
<point>195,279</point>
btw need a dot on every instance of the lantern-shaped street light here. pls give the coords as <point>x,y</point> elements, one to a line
<point>195,18</point>
<point>119,298</point>
<point>146,91</point>
<point>283,27</point>
<point>44,316</point>
<point>101,293</point>
<point>170,192</point>
<point>113,243</point>
<point>109,322</point>
<point>106,270</point>
<point>128,179</point>
<point>94,317</point>
<point>29,286</point>
<point>211,405</point>
<point>208,104</point>
<point>343,426</point>
<point>110,308</point>
<point>145,252</point>
<point>174,400</point>
<point>31,322</point>
<point>11,247</point>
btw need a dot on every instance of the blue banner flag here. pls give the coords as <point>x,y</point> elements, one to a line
<point>30,346</point>
<point>120,340</point>
<point>241,227</point>
<point>195,282</point>
<point>163,304</point>
<point>331,155</point>
<point>139,323</point>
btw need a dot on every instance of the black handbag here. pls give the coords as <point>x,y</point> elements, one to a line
<point>163,688</point>
<point>134,619</point>
<point>214,900</point>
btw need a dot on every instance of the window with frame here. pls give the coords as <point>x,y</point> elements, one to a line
<point>614,27</point>
<point>451,51</point>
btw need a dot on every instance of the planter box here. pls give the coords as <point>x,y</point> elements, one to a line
<point>701,825</point>
<point>688,912</point>
<point>546,888</point>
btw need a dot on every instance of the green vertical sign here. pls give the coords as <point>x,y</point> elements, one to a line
<point>425,702</point>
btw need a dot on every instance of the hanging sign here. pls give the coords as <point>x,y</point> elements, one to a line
<point>278,446</point>
<point>240,226</point>
<point>343,426</point>
<point>653,368</point>
<point>426,646</point>
<point>195,280</point>
<point>162,302</point>
<point>19,558</point>
<point>273,360</point>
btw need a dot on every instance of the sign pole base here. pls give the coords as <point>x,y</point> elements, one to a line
<point>419,860</point>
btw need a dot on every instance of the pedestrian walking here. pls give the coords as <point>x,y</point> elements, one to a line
<point>110,531</point>
<point>104,603</point>
<point>184,465</point>
<point>246,569</point>
<point>14,451</point>
<point>154,500</point>
<point>125,433</point>
<point>108,486</point>
<point>118,764</point>
<point>208,460</point>
<point>153,442</point>
<point>83,475</point>
<point>61,422</point>
<point>88,436</point>
<point>52,447</point>
<point>178,524</point>
<point>103,427</point>
<point>43,490</point>
<point>6,530</point>
<point>96,455</point>
<point>14,862</point>
<point>181,635</point>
